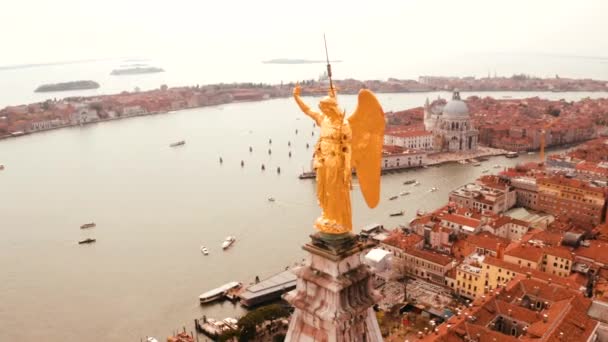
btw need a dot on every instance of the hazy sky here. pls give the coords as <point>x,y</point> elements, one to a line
<point>34,31</point>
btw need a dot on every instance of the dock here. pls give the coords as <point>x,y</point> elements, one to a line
<point>214,328</point>
<point>269,289</point>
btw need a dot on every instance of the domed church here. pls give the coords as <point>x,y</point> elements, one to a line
<point>451,125</point>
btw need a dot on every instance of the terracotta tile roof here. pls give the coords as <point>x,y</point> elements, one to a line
<point>461,220</point>
<point>529,253</point>
<point>572,183</point>
<point>549,238</point>
<point>433,257</point>
<point>487,241</point>
<point>597,251</point>
<point>559,251</point>
<point>402,241</point>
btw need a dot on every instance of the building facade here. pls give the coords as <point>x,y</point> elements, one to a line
<point>577,200</point>
<point>451,126</point>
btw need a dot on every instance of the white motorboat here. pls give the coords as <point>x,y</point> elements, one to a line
<point>228,242</point>
<point>218,293</point>
<point>204,250</point>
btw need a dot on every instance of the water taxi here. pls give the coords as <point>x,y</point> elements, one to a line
<point>88,225</point>
<point>178,143</point>
<point>218,293</point>
<point>82,242</point>
<point>228,242</point>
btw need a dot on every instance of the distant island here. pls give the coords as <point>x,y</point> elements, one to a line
<point>74,85</point>
<point>296,61</point>
<point>136,71</point>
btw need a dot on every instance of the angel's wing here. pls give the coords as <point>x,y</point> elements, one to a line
<point>367,126</point>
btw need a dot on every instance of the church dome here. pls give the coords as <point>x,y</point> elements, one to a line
<point>456,108</point>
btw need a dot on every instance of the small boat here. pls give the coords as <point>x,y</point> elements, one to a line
<point>218,293</point>
<point>178,143</point>
<point>393,198</point>
<point>404,193</point>
<point>263,167</point>
<point>269,151</point>
<point>221,160</point>
<point>531,152</point>
<point>463,162</point>
<point>151,339</point>
<point>271,199</point>
<point>296,131</point>
<point>433,189</point>
<point>269,141</point>
<point>289,143</point>
<point>512,155</point>
<point>289,154</point>
<point>477,164</point>
<point>497,166</point>
<point>88,225</point>
<point>420,212</point>
<point>417,183</point>
<point>242,163</point>
<point>485,171</point>
<point>279,169</point>
<point>82,242</point>
<point>250,149</point>
<point>307,145</point>
<point>399,213</point>
<point>411,181</point>
<point>1,167</point>
<point>204,250</point>
<point>228,242</point>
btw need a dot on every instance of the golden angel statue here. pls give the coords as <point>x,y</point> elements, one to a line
<point>344,145</point>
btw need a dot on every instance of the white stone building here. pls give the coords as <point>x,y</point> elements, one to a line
<point>451,126</point>
<point>419,140</point>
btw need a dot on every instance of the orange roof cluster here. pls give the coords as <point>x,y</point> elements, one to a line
<point>399,239</point>
<point>562,318</point>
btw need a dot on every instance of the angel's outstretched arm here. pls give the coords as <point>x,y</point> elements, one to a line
<point>314,115</point>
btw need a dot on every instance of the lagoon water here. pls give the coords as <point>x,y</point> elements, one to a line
<point>155,206</point>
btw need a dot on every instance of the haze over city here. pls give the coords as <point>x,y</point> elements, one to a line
<point>393,32</point>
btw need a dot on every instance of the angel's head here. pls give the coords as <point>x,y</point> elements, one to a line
<point>329,107</point>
